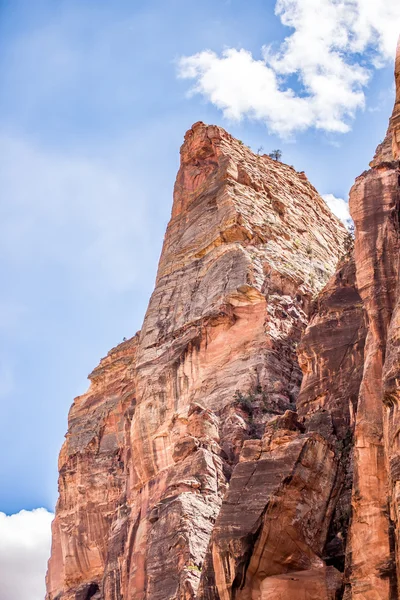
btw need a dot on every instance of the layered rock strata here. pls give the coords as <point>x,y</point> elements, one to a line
<point>288,507</point>
<point>91,523</point>
<point>348,403</point>
<point>151,448</point>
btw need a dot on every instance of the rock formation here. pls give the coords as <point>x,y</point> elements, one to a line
<point>90,527</point>
<point>375,208</point>
<point>244,444</point>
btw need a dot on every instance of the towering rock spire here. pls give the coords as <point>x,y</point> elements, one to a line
<point>248,245</point>
<point>186,473</point>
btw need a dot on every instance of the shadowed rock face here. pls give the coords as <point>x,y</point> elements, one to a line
<point>186,472</point>
<point>288,507</point>
<point>331,354</point>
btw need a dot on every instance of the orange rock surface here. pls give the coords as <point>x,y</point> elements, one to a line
<point>151,447</point>
<point>374,205</point>
<point>90,527</point>
<point>244,445</point>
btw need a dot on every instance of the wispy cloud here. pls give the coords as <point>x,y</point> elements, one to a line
<point>24,550</point>
<point>332,50</point>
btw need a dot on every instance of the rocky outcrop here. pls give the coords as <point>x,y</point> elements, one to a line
<point>331,355</point>
<point>244,445</point>
<point>274,518</point>
<point>248,243</point>
<point>151,448</point>
<point>91,523</point>
<point>288,506</point>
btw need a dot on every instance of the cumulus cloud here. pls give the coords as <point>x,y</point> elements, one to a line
<point>24,549</point>
<point>331,51</point>
<point>339,207</point>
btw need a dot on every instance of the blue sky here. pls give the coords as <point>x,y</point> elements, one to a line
<point>95,100</point>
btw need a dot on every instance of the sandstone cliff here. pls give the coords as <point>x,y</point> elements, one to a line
<point>244,444</point>
<point>374,534</point>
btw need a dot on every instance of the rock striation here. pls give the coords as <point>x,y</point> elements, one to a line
<point>91,522</point>
<point>244,444</point>
<point>151,448</point>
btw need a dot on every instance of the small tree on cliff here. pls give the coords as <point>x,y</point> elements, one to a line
<point>275,154</point>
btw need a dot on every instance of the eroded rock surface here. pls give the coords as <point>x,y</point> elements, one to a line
<point>275,516</point>
<point>245,444</point>
<point>374,205</point>
<point>155,441</point>
<point>295,518</point>
<point>248,243</point>
<point>91,523</point>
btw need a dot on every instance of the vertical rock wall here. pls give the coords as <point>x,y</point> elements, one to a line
<point>288,507</point>
<point>248,242</point>
<point>374,205</point>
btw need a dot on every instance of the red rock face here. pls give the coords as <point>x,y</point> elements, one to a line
<point>288,507</point>
<point>374,204</point>
<point>258,535</point>
<point>90,526</point>
<point>186,472</point>
<point>331,355</point>
<point>216,356</point>
<point>151,448</point>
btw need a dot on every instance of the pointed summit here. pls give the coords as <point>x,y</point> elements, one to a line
<point>389,149</point>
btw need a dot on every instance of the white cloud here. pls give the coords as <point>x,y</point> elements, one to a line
<point>331,51</point>
<point>339,207</point>
<point>24,550</point>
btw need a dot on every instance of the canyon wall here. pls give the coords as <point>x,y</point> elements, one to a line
<point>375,206</point>
<point>244,444</point>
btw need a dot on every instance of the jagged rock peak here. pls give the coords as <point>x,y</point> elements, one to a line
<point>259,201</point>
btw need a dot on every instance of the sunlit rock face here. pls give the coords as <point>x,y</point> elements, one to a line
<point>248,244</point>
<point>92,516</point>
<point>177,419</point>
<point>245,444</point>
